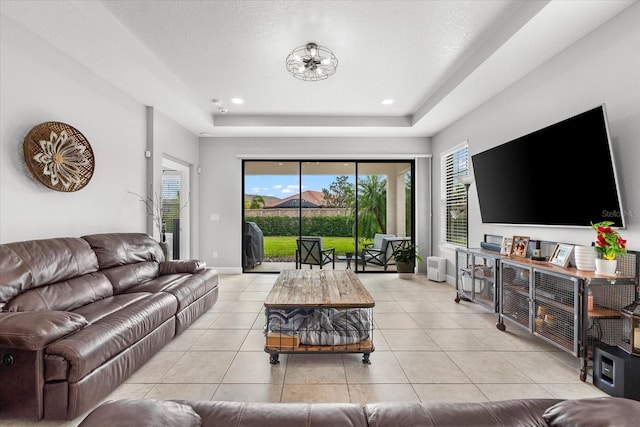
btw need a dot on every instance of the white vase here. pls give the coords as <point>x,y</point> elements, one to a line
<point>606,266</point>
<point>585,257</point>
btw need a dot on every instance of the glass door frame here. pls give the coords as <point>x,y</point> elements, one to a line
<point>357,164</point>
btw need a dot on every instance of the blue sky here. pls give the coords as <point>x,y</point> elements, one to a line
<point>282,186</point>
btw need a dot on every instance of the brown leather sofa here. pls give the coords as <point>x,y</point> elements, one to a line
<point>80,315</point>
<point>596,412</point>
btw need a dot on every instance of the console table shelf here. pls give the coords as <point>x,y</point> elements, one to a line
<point>476,277</point>
<point>603,313</point>
<point>555,304</point>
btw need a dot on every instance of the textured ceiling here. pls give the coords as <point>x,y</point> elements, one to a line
<point>437,59</point>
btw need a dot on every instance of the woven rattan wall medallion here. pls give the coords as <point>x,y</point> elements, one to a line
<point>59,156</point>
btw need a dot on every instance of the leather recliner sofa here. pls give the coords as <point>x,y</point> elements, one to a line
<point>594,412</point>
<point>79,315</point>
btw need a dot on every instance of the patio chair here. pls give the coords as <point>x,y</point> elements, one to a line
<point>380,252</point>
<point>311,252</point>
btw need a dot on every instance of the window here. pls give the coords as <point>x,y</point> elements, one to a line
<point>454,220</point>
<point>170,201</point>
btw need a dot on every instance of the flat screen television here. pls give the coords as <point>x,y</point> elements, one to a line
<point>542,178</point>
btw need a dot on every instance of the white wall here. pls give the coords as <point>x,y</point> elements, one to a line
<point>38,84</point>
<point>604,67</point>
<point>221,190</point>
<point>179,145</point>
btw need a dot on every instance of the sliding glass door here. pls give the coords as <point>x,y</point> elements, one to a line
<point>384,207</point>
<point>322,214</point>
<point>271,215</point>
<point>327,214</point>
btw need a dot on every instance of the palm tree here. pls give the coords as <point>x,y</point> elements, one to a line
<point>372,206</point>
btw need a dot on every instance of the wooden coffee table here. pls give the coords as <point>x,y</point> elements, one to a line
<point>338,291</point>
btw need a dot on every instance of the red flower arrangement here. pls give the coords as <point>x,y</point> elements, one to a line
<point>609,243</point>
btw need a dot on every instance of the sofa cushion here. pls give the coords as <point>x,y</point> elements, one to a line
<point>114,249</point>
<point>194,288</point>
<point>123,277</point>
<point>35,330</point>
<point>105,307</point>
<point>111,331</point>
<point>594,412</point>
<point>522,412</point>
<point>148,412</point>
<point>63,296</point>
<point>30,264</point>
<point>187,288</point>
<point>260,414</point>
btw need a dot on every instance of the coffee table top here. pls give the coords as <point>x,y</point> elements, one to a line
<point>345,257</point>
<point>318,288</point>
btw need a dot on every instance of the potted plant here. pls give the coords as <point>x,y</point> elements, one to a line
<point>405,257</point>
<point>609,244</point>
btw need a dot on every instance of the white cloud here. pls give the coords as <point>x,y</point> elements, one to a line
<point>286,191</point>
<point>277,186</point>
<point>255,190</point>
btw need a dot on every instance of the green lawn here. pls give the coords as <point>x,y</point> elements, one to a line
<point>285,246</point>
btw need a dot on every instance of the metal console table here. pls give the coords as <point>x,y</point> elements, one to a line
<point>569,308</point>
<point>477,277</point>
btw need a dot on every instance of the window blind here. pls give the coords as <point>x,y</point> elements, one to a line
<point>453,196</point>
<point>170,200</point>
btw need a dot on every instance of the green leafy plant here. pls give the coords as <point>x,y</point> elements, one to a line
<point>609,243</point>
<point>406,253</point>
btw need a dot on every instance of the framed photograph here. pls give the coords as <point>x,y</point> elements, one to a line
<point>505,247</point>
<point>561,255</point>
<point>519,246</point>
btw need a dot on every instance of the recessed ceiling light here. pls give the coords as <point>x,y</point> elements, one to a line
<point>205,134</point>
<point>237,101</point>
<point>387,101</point>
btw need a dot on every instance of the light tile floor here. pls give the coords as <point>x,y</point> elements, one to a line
<point>427,347</point>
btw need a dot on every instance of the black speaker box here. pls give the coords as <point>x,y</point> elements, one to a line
<point>616,372</point>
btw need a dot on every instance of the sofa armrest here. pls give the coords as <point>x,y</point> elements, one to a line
<point>186,266</point>
<point>34,330</point>
<point>149,412</point>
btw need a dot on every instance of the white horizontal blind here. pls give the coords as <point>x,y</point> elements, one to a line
<point>453,216</point>
<point>170,200</point>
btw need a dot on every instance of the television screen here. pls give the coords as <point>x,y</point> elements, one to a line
<point>542,178</point>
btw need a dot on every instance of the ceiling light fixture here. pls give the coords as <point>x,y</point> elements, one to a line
<point>311,62</point>
<point>387,101</point>
<point>237,101</point>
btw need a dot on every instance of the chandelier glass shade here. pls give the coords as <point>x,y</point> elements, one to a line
<point>311,62</point>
